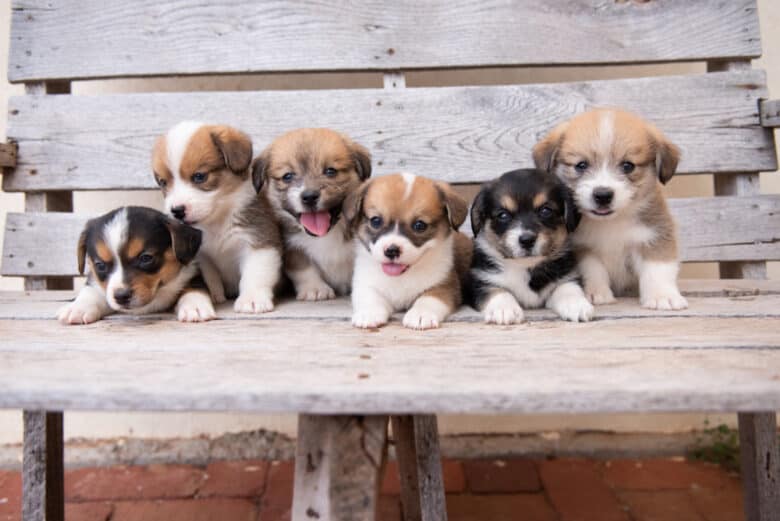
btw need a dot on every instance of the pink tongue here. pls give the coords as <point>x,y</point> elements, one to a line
<point>317,223</point>
<point>393,269</point>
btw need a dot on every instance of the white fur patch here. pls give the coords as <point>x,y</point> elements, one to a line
<point>332,254</point>
<point>658,286</point>
<point>309,284</point>
<point>426,313</point>
<point>176,141</point>
<point>115,236</point>
<point>502,308</point>
<point>570,303</point>
<point>409,181</point>
<point>195,306</point>
<point>260,271</point>
<point>89,306</point>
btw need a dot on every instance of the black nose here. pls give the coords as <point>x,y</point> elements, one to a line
<point>603,196</point>
<point>123,296</point>
<point>310,197</point>
<point>392,252</point>
<point>178,212</point>
<point>527,240</point>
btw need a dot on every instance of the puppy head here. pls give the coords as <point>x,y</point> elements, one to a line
<point>524,213</point>
<point>308,173</point>
<point>133,252</point>
<point>199,167</point>
<point>610,159</point>
<point>400,217</point>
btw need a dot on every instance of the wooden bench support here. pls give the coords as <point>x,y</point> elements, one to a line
<point>43,489</point>
<point>419,466</point>
<point>760,466</point>
<point>338,467</point>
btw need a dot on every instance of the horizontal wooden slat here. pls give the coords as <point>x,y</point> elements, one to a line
<point>460,134</point>
<point>710,229</point>
<point>8,155</point>
<point>90,39</point>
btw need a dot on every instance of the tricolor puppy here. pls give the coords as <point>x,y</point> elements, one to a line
<point>409,252</point>
<point>522,252</point>
<point>615,163</point>
<point>203,171</point>
<point>140,261</point>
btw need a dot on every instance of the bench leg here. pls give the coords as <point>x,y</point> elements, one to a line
<point>43,488</point>
<point>760,466</point>
<point>339,463</point>
<point>419,465</point>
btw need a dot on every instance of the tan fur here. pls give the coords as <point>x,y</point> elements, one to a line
<point>509,203</point>
<point>145,285</point>
<point>103,251</point>
<point>134,247</point>
<point>539,200</point>
<point>160,163</point>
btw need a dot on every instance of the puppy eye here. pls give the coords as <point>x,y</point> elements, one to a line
<point>100,266</point>
<point>581,166</point>
<point>199,178</point>
<point>375,222</point>
<point>162,183</point>
<point>145,260</point>
<point>331,172</point>
<point>545,212</point>
<point>288,177</point>
<point>627,167</point>
<point>504,216</point>
<point>419,226</point>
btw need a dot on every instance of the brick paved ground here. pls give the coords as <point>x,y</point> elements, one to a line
<point>479,490</point>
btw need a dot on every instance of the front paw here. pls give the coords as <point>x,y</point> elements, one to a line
<point>218,296</point>
<point>503,309</point>
<point>600,295</point>
<point>664,300</point>
<point>257,301</point>
<point>369,319</point>
<point>575,309</point>
<point>317,291</point>
<point>195,307</point>
<point>78,313</point>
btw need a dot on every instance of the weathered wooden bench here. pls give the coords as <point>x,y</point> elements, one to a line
<point>722,354</point>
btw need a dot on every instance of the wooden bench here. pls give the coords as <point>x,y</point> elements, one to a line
<point>722,354</point>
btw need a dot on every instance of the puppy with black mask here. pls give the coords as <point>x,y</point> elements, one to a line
<point>522,251</point>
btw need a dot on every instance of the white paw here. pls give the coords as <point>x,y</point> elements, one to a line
<point>78,313</point>
<point>420,319</point>
<point>369,319</point>
<point>575,309</point>
<point>503,309</point>
<point>664,300</point>
<point>195,306</point>
<point>257,301</point>
<point>600,295</point>
<point>316,291</point>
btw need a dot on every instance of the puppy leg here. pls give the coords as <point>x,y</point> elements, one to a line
<point>596,280</point>
<point>569,301</point>
<point>434,305</point>
<point>260,272</point>
<point>501,307</point>
<point>212,278</point>
<point>306,278</point>
<point>195,306</point>
<point>658,285</point>
<point>369,308</point>
<point>89,306</point>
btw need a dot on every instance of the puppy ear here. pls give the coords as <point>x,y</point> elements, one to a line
<point>362,158</point>
<point>81,251</point>
<point>571,214</point>
<point>353,204</point>
<point>185,240</point>
<point>667,155</point>
<point>235,146</point>
<point>456,206</point>
<point>260,170</point>
<point>545,151</point>
<point>478,211</point>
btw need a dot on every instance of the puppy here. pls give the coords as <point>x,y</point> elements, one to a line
<point>203,171</point>
<point>307,174</point>
<point>522,253</point>
<point>409,252</point>
<point>615,163</point>
<point>140,262</point>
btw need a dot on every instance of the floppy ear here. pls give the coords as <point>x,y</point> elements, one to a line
<point>185,240</point>
<point>571,214</point>
<point>362,158</point>
<point>260,169</point>
<point>478,211</point>
<point>456,206</point>
<point>545,151</point>
<point>353,204</point>
<point>235,146</point>
<point>81,251</point>
<point>667,155</point>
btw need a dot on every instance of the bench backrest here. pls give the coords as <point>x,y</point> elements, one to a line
<point>461,134</point>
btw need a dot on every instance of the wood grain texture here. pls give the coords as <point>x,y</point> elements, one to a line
<point>760,466</point>
<point>43,478</point>
<point>8,152</point>
<point>301,35</point>
<point>738,228</point>
<point>770,113</point>
<point>339,463</point>
<point>458,134</point>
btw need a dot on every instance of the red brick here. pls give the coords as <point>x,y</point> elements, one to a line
<point>719,505</point>
<point>452,473</point>
<point>88,511</point>
<point>151,482</point>
<point>499,507</point>
<point>577,491</point>
<point>217,509</point>
<point>277,499</point>
<point>10,496</point>
<point>234,479</point>
<point>501,476</point>
<point>660,505</point>
<point>389,508</point>
<point>660,474</point>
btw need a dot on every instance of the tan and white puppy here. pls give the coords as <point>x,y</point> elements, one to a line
<point>614,163</point>
<point>307,174</point>
<point>410,255</point>
<point>203,171</point>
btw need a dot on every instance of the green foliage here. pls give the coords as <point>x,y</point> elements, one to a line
<point>719,445</point>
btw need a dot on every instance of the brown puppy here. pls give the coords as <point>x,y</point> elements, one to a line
<point>307,174</point>
<point>614,164</point>
<point>409,252</point>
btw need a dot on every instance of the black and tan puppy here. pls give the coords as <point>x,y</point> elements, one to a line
<point>306,175</point>
<point>522,252</point>
<point>140,261</point>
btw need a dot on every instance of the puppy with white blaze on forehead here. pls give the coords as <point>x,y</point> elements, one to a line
<point>203,171</point>
<point>409,254</point>
<point>614,163</point>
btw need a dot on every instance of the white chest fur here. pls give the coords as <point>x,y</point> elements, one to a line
<point>333,255</point>
<point>226,246</point>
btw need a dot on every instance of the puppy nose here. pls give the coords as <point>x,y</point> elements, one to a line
<point>123,296</point>
<point>310,197</point>
<point>179,212</point>
<point>392,252</point>
<point>527,240</point>
<point>603,196</point>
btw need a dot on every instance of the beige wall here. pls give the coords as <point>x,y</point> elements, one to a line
<point>186,425</point>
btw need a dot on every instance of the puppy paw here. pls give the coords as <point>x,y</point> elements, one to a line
<point>218,297</point>
<point>369,319</point>
<point>420,319</point>
<point>78,313</point>
<point>317,291</point>
<point>664,300</point>
<point>195,306</point>
<point>257,301</point>
<point>503,309</point>
<point>600,295</point>
<point>574,309</point>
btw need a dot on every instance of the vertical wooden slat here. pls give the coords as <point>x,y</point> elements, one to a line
<point>43,492</point>
<point>339,463</point>
<point>760,466</point>
<point>419,465</point>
